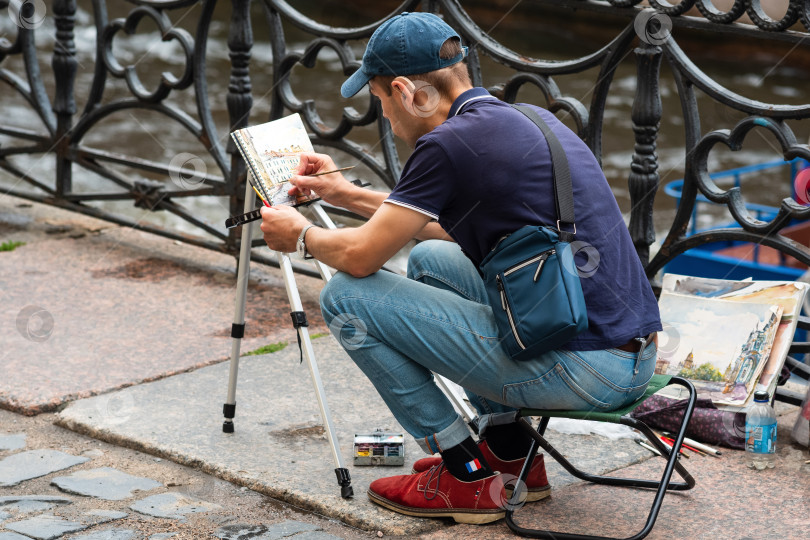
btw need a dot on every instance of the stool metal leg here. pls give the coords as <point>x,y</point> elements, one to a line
<point>661,487</point>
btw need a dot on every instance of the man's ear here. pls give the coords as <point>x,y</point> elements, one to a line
<point>405,88</point>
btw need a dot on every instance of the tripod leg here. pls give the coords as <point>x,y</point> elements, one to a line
<point>238,327</point>
<point>466,412</point>
<point>327,222</point>
<point>299,321</point>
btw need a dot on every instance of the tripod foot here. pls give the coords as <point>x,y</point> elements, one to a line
<point>228,411</point>
<point>345,483</point>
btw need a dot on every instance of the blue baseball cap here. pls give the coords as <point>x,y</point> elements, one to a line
<point>407,44</point>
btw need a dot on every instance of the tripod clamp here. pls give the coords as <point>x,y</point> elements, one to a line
<point>299,319</point>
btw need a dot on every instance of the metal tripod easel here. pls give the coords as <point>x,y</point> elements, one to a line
<point>299,322</point>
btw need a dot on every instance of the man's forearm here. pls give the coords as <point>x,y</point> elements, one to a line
<point>363,202</point>
<point>335,248</point>
<point>363,250</point>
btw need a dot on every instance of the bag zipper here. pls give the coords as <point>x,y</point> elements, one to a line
<point>505,306</point>
<point>540,260</point>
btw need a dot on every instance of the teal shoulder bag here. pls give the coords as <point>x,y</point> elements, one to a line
<point>532,282</point>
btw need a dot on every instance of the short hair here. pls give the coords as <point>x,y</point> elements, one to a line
<point>440,79</point>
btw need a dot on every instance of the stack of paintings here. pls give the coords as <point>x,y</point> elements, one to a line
<point>729,338</point>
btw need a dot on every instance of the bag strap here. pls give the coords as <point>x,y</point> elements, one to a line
<point>563,190</point>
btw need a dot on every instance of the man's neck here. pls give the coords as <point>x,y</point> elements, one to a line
<point>443,110</point>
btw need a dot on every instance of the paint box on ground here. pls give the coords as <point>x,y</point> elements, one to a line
<point>379,448</point>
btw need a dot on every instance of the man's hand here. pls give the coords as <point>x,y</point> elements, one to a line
<point>332,188</point>
<point>281,226</point>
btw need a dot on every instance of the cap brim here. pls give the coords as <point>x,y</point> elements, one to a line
<point>355,83</point>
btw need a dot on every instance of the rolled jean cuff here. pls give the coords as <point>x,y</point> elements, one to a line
<point>495,419</point>
<point>450,436</point>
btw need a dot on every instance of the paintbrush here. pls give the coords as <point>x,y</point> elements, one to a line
<point>330,172</point>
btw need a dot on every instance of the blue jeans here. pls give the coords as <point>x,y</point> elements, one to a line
<point>398,330</point>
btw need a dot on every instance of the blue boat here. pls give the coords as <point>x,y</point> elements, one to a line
<point>740,260</point>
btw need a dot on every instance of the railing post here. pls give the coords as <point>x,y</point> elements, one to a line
<point>240,101</point>
<point>64,65</point>
<point>643,179</point>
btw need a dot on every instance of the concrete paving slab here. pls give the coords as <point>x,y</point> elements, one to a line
<point>92,306</point>
<point>109,534</point>
<point>172,505</point>
<point>264,532</point>
<point>316,535</point>
<point>97,517</point>
<point>28,507</point>
<point>45,526</point>
<point>279,447</point>
<point>14,441</point>
<point>28,504</point>
<point>13,501</point>
<point>240,531</point>
<point>289,528</point>
<point>104,483</point>
<point>4,535</point>
<point>17,468</point>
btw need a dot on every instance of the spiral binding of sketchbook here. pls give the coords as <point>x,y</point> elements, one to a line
<point>255,177</point>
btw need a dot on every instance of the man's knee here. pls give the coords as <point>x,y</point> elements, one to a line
<point>337,307</point>
<point>330,295</point>
<point>425,257</point>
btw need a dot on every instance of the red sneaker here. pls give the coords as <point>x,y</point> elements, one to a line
<point>437,493</point>
<point>536,483</point>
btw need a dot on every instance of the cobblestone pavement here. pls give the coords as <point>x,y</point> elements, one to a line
<point>58,484</point>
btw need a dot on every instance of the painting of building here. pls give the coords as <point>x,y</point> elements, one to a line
<point>726,361</point>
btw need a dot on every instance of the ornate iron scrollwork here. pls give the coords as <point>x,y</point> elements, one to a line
<point>64,128</point>
<point>168,81</point>
<point>733,197</point>
<point>148,194</point>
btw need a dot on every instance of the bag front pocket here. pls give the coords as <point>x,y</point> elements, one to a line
<point>512,280</point>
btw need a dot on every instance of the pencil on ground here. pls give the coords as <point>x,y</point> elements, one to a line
<point>671,441</point>
<point>648,447</point>
<point>700,446</point>
<point>672,445</point>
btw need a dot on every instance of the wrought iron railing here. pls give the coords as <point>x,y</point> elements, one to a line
<point>650,35</point>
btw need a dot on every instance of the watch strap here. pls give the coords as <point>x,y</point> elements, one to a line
<point>302,240</point>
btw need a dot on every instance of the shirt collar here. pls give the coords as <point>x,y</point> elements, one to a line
<point>473,94</point>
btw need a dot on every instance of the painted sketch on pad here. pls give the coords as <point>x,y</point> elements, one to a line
<point>271,151</point>
<point>789,295</point>
<point>719,345</point>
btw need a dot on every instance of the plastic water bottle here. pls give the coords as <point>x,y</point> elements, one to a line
<point>760,433</point>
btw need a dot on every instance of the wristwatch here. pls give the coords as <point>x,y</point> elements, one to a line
<point>301,246</point>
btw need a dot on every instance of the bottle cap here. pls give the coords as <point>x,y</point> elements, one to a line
<point>761,395</point>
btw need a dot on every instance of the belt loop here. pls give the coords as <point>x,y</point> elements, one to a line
<point>642,345</point>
